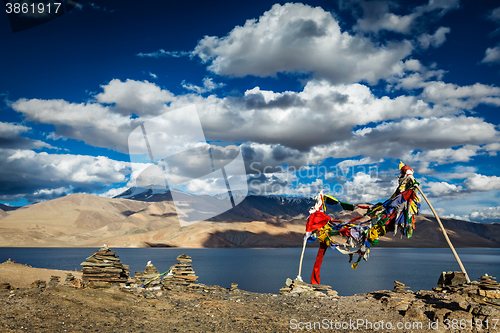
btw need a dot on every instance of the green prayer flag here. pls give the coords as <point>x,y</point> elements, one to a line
<point>347,206</point>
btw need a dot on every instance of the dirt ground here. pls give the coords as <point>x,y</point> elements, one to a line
<point>215,309</point>
<point>21,276</point>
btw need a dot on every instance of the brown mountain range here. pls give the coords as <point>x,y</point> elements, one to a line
<point>81,220</point>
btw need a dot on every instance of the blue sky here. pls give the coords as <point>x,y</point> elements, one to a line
<point>317,95</point>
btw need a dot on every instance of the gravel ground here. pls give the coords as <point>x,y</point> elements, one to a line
<point>215,309</point>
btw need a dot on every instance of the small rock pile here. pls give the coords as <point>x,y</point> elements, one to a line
<point>71,281</point>
<point>302,289</point>
<point>69,277</point>
<point>149,273</point>
<point>182,274</point>
<point>488,283</point>
<point>103,269</point>
<point>489,289</point>
<point>399,287</point>
<point>54,280</point>
<point>38,284</point>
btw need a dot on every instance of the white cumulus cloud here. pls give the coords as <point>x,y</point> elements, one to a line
<point>435,40</point>
<point>297,38</point>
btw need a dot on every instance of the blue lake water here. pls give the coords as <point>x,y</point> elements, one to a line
<point>265,270</point>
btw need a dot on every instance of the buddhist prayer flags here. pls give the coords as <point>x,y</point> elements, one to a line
<point>395,214</point>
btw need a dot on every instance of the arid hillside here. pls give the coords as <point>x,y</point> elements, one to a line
<point>81,220</point>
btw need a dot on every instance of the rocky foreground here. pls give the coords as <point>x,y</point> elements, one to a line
<point>66,307</point>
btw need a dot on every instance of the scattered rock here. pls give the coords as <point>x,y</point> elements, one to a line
<point>451,280</point>
<point>285,290</point>
<point>6,285</point>
<point>39,284</point>
<point>440,314</point>
<point>302,289</point>
<point>489,293</point>
<point>415,312</point>
<point>332,293</point>
<point>399,287</point>
<point>459,315</point>
<point>402,306</point>
<point>486,310</point>
<point>398,302</point>
<point>77,283</point>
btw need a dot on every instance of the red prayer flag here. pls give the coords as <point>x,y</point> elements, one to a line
<point>316,221</point>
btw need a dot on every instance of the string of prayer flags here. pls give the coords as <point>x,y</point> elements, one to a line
<point>396,213</point>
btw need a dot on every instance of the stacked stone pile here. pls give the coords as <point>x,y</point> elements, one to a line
<point>488,283</point>
<point>149,274</point>
<point>489,289</point>
<point>103,269</point>
<point>302,289</point>
<point>399,287</point>
<point>182,274</point>
<point>69,277</point>
<point>54,280</point>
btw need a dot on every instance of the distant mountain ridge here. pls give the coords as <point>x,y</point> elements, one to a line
<point>141,218</point>
<point>6,208</point>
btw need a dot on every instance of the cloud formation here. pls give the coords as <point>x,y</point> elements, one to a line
<point>377,16</point>
<point>163,53</point>
<point>492,55</point>
<point>488,215</point>
<point>435,40</point>
<point>11,137</point>
<point>297,38</point>
<point>35,176</point>
<point>208,85</point>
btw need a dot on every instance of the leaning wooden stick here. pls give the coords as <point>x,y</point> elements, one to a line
<point>445,235</point>
<point>299,277</point>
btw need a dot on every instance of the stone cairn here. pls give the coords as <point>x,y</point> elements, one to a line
<point>71,281</point>
<point>69,277</point>
<point>302,289</point>
<point>182,274</point>
<point>399,287</point>
<point>103,269</point>
<point>149,274</point>
<point>489,289</point>
<point>54,280</point>
<point>488,283</point>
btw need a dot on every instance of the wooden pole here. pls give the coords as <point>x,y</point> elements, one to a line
<point>302,257</point>
<point>445,236</point>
